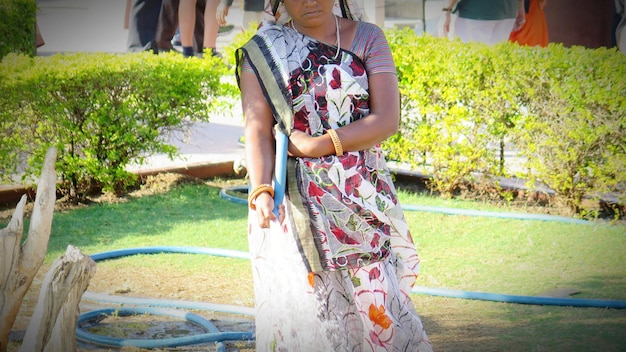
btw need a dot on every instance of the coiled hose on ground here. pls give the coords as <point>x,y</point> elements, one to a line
<point>156,306</point>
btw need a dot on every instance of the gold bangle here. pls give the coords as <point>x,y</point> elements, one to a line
<point>262,188</point>
<point>336,142</point>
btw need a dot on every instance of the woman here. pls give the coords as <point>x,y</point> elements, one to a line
<point>334,269</point>
<point>486,21</point>
<point>534,32</point>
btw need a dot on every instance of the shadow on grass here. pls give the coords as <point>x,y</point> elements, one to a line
<point>185,214</point>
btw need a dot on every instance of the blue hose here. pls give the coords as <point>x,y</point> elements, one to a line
<point>570,302</point>
<point>503,215</point>
<point>493,296</point>
<point>218,252</point>
<point>535,300</point>
<point>171,303</point>
<point>224,193</point>
<point>213,334</point>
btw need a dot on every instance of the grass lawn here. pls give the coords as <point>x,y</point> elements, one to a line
<point>498,255</point>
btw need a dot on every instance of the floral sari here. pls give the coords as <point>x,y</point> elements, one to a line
<point>337,274</point>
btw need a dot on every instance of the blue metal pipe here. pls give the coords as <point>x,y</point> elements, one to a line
<point>280,169</point>
<point>535,300</point>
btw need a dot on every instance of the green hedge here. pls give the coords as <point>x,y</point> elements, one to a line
<point>562,109</point>
<point>102,112</point>
<point>17,27</point>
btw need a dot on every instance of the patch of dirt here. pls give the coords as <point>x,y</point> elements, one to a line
<point>153,285</point>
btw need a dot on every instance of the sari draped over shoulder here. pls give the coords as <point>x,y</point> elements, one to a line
<point>344,208</point>
<point>344,257</point>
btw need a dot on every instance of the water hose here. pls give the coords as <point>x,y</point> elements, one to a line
<point>533,300</point>
<point>213,334</point>
<point>227,193</point>
<point>494,214</point>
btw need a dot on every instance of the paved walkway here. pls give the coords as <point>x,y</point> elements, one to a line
<point>98,26</point>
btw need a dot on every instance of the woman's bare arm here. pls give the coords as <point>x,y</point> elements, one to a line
<point>380,124</point>
<point>259,143</point>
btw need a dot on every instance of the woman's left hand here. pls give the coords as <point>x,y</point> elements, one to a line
<point>301,145</point>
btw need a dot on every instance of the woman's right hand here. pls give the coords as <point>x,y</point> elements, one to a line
<point>265,210</point>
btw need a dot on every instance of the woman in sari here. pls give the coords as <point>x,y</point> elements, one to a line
<point>534,31</point>
<point>334,266</point>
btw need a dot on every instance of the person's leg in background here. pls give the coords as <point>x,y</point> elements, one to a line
<point>211,27</point>
<point>620,28</point>
<point>142,25</point>
<point>198,32</point>
<point>168,25</point>
<point>488,32</point>
<point>39,41</point>
<point>501,30</point>
<point>186,24</point>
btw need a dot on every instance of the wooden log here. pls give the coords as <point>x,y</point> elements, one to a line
<point>19,264</point>
<point>10,239</point>
<point>53,324</point>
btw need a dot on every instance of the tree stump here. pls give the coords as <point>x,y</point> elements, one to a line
<point>53,324</point>
<point>19,263</point>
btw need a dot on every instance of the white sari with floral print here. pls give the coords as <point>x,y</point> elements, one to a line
<point>337,274</point>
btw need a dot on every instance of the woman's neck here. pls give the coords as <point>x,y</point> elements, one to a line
<point>327,33</point>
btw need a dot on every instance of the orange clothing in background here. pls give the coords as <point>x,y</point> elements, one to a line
<point>534,32</point>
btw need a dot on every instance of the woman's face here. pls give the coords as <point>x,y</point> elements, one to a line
<point>309,13</point>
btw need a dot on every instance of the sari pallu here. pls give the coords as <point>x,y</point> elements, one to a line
<point>348,212</point>
<point>344,226</point>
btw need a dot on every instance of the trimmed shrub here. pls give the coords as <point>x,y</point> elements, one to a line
<point>17,28</point>
<point>102,112</point>
<point>560,112</point>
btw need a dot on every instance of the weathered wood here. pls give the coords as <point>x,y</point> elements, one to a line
<point>10,238</point>
<point>53,324</point>
<point>21,263</point>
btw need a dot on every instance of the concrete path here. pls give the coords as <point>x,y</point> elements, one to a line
<point>98,26</point>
